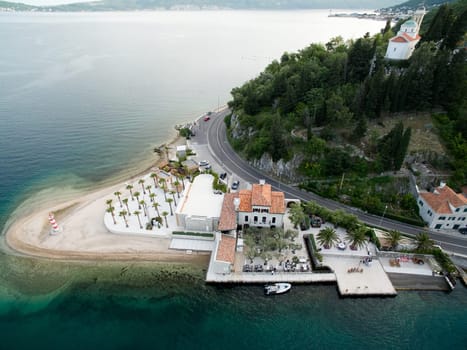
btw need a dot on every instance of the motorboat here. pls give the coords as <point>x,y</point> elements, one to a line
<point>277,288</point>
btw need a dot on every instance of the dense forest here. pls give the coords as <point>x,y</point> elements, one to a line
<point>332,92</point>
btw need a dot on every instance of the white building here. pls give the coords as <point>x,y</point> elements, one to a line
<point>403,44</point>
<point>260,206</point>
<point>200,207</point>
<point>443,208</point>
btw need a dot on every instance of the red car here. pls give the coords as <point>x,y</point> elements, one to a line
<point>206,118</point>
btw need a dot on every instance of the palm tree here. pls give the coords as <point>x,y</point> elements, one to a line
<point>164,214</point>
<point>118,194</point>
<point>393,237</point>
<point>137,194</point>
<point>170,200</point>
<point>424,242</point>
<point>109,202</point>
<point>177,184</point>
<point>130,188</point>
<point>148,187</point>
<point>126,203</point>
<point>142,203</point>
<point>183,182</point>
<point>152,196</point>
<point>155,179</point>
<point>357,237</point>
<point>111,211</point>
<point>137,213</point>
<point>156,206</point>
<point>123,214</point>
<point>162,183</point>
<point>141,181</point>
<point>327,237</point>
<point>173,195</point>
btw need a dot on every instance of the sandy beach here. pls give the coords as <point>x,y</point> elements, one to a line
<point>84,235</point>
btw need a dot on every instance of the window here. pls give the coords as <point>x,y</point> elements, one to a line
<point>264,220</point>
<point>452,218</point>
<point>465,210</point>
<point>438,226</point>
<point>421,203</point>
<point>457,210</point>
<point>273,219</point>
<point>246,218</point>
<point>442,218</point>
<point>255,219</point>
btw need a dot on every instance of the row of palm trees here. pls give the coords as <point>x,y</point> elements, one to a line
<point>159,182</point>
<point>328,237</point>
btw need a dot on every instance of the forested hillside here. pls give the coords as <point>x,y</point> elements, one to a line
<point>317,103</point>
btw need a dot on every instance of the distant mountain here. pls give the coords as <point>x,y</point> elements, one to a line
<point>131,5</point>
<point>15,6</point>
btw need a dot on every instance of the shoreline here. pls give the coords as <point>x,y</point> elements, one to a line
<point>89,240</point>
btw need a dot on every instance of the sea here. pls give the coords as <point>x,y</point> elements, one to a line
<point>84,100</point>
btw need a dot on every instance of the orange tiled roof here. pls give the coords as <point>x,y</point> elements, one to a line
<point>261,195</point>
<point>404,38</point>
<point>226,249</point>
<point>440,199</point>
<point>228,218</point>
<point>245,201</point>
<point>277,203</point>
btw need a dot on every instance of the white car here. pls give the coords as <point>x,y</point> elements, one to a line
<point>204,163</point>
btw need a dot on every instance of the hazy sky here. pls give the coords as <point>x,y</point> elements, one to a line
<point>47,2</point>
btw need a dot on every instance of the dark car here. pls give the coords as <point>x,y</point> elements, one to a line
<point>223,176</point>
<point>463,230</point>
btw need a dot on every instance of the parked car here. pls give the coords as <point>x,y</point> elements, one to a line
<point>463,230</point>
<point>204,163</point>
<point>235,185</point>
<point>206,118</point>
<point>223,176</point>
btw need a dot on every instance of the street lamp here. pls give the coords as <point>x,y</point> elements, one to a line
<point>382,217</point>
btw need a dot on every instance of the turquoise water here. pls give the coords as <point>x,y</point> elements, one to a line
<point>83,100</point>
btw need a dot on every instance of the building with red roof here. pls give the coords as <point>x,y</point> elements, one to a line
<point>443,208</point>
<point>403,44</point>
<point>259,206</point>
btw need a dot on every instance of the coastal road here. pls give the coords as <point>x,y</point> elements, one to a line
<point>228,159</point>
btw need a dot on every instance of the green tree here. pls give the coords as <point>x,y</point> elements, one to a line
<point>155,178</point>
<point>296,214</point>
<point>156,206</point>
<point>424,242</point>
<point>118,194</point>
<point>137,194</point>
<point>164,214</point>
<point>125,201</point>
<point>393,237</point>
<point>130,188</point>
<point>327,237</point>
<point>111,211</point>
<point>123,215</point>
<point>137,213</point>
<point>141,182</point>
<point>357,237</point>
<point>170,200</point>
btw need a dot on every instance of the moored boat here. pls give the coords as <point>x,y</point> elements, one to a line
<point>277,288</point>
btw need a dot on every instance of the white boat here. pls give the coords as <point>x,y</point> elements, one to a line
<point>277,288</point>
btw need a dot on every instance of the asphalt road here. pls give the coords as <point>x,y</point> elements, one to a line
<point>226,156</point>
